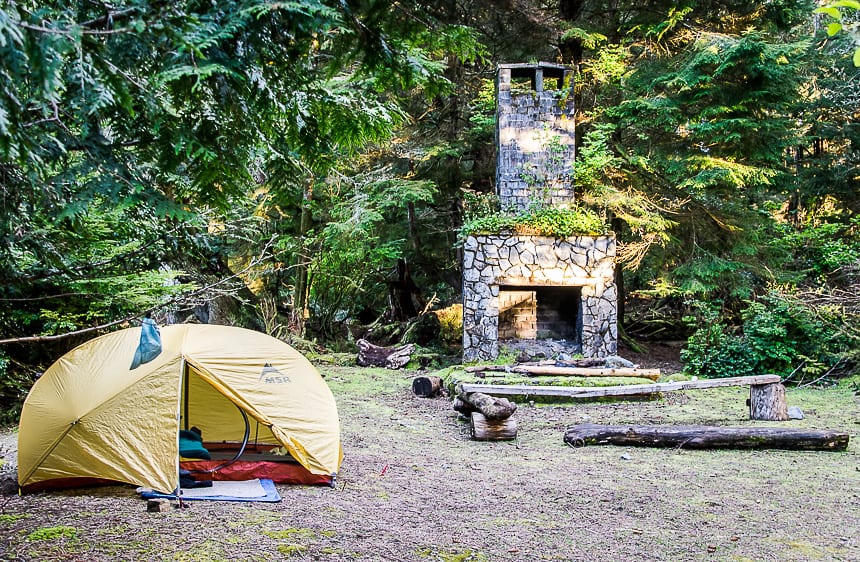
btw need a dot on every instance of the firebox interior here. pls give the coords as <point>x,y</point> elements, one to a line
<point>532,313</point>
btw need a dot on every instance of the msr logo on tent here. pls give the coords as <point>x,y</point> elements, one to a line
<point>271,375</point>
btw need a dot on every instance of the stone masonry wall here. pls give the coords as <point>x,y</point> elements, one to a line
<point>535,138</point>
<point>531,261</point>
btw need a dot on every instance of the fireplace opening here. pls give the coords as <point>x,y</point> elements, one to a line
<point>537,313</point>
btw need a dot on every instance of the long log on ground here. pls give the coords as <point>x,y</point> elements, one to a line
<point>483,429</point>
<point>482,368</point>
<point>652,374</point>
<point>584,362</point>
<point>370,355</point>
<point>538,370</point>
<point>491,407</point>
<point>620,390</point>
<point>707,437</point>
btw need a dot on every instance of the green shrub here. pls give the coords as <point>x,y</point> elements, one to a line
<point>714,351</point>
<point>549,221</point>
<point>778,334</point>
<point>451,324</point>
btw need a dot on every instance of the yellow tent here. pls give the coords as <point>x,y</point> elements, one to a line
<point>91,416</point>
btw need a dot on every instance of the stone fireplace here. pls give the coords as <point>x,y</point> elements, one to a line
<point>525,288</point>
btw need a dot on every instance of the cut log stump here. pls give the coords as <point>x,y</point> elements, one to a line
<point>767,402</point>
<point>158,505</point>
<point>370,355</point>
<point>427,387</point>
<point>483,429</point>
<point>707,437</point>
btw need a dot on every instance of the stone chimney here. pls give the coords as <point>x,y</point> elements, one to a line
<point>534,135</point>
<point>525,289</point>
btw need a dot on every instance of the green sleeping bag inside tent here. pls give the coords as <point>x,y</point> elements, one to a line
<point>191,446</point>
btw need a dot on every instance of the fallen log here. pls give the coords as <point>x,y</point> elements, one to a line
<point>707,437</point>
<point>483,429</point>
<point>621,390</point>
<point>370,355</point>
<point>652,374</point>
<point>585,362</point>
<point>482,368</point>
<point>427,387</point>
<point>491,407</point>
<point>538,370</point>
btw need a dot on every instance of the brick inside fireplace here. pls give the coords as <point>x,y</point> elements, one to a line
<point>541,313</point>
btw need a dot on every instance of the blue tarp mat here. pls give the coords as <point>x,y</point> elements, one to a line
<point>260,490</point>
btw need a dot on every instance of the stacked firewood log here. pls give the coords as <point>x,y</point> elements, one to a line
<point>489,417</point>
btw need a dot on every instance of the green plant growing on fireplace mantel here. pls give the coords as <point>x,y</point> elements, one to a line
<point>542,221</point>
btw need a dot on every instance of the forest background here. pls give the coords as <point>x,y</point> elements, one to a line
<point>268,163</point>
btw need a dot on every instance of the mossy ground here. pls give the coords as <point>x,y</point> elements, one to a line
<point>414,487</point>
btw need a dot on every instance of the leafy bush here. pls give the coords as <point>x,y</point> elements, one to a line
<point>451,324</point>
<point>714,351</point>
<point>822,248</point>
<point>778,334</point>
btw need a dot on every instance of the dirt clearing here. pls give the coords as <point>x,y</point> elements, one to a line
<point>413,486</point>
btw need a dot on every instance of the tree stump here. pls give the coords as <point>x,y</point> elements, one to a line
<point>767,402</point>
<point>483,429</point>
<point>427,387</point>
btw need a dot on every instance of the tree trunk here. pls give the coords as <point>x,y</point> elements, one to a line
<point>492,408</point>
<point>413,226</point>
<point>767,402</point>
<point>483,429</point>
<point>427,387</point>
<point>300,291</point>
<point>370,355</point>
<point>401,292</point>
<point>707,437</point>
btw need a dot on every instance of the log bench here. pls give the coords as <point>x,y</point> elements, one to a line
<point>767,395</point>
<point>489,418</point>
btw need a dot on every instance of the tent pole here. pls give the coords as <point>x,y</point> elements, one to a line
<point>185,392</point>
